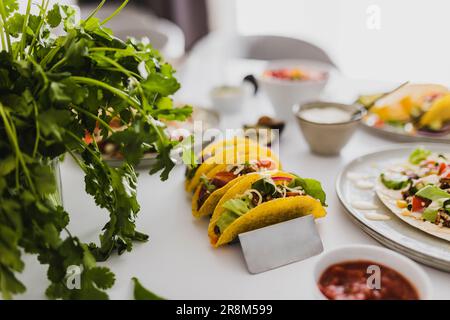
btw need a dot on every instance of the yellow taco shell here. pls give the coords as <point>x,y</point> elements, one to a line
<point>236,155</point>
<point>217,147</point>
<point>208,206</point>
<point>271,212</point>
<point>267,213</point>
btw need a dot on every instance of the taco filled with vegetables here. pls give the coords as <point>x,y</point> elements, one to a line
<point>262,199</point>
<point>220,179</point>
<point>211,150</point>
<point>239,154</point>
<point>418,191</point>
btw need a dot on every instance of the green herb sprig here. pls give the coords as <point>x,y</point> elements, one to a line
<point>54,90</point>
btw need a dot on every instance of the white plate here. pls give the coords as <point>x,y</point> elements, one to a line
<point>393,233</point>
<point>397,134</point>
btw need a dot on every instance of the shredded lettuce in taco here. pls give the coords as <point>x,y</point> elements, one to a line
<point>267,189</point>
<point>425,187</point>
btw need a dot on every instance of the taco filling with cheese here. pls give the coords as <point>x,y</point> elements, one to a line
<point>260,200</point>
<point>215,148</point>
<point>231,156</point>
<point>419,191</point>
<point>214,185</point>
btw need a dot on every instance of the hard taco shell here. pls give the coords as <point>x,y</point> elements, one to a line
<point>236,155</point>
<point>267,213</point>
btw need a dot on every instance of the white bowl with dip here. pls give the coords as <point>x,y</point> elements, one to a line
<point>380,256</point>
<point>284,93</point>
<point>328,126</point>
<point>226,99</point>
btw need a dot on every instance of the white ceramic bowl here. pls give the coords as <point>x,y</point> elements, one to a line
<point>283,94</point>
<point>328,139</point>
<point>226,99</point>
<point>405,266</point>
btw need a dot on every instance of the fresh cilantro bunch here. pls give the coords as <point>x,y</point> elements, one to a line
<point>54,91</point>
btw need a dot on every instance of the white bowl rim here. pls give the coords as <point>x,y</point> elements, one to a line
<point>426,294</point>
<point>297,108</point>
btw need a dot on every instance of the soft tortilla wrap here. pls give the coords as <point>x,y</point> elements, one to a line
<point>389,198</point>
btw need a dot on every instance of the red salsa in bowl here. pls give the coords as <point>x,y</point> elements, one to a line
<point>350,281</point>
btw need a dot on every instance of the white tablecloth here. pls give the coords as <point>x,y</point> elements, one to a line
<point>178,262</point>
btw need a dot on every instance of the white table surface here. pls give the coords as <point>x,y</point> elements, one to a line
<point>178,262</point>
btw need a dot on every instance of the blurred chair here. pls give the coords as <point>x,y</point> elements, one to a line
<point>267,47</point>
<point>136,22</point>
<point>263,47</point>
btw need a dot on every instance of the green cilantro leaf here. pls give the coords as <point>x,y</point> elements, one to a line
<point>141,293</point>
<point>54,16</point>
<point>10,6</point>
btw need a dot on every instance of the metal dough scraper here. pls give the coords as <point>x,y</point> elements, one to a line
<point>280,244</point>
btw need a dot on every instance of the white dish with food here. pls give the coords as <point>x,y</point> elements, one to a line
<point>287,82</point>
<point>392,231</point>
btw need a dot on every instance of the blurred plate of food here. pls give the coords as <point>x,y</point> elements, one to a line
<point>411,112</point>
<point>201,119</point>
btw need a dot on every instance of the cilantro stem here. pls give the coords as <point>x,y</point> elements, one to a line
<point>75,158</point>
<point>13,139</point>
<point>115,64</point>
<point>93,116</point>
<point>44,7</point>
<point>3,15</point>
<point>135,53</point>
<point>56,65</point>
<point>40,71</point>
<point>38,130</point>
<point>161,136</point>
<point>17,174</point>
<point>2,35</point>
<point>115,12</point>
<point>21,49</point>
<point>94,12</point>
<point>50,55</point>
<point>106,86</point>
<point>85,146</point>
<point>107,49</point>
